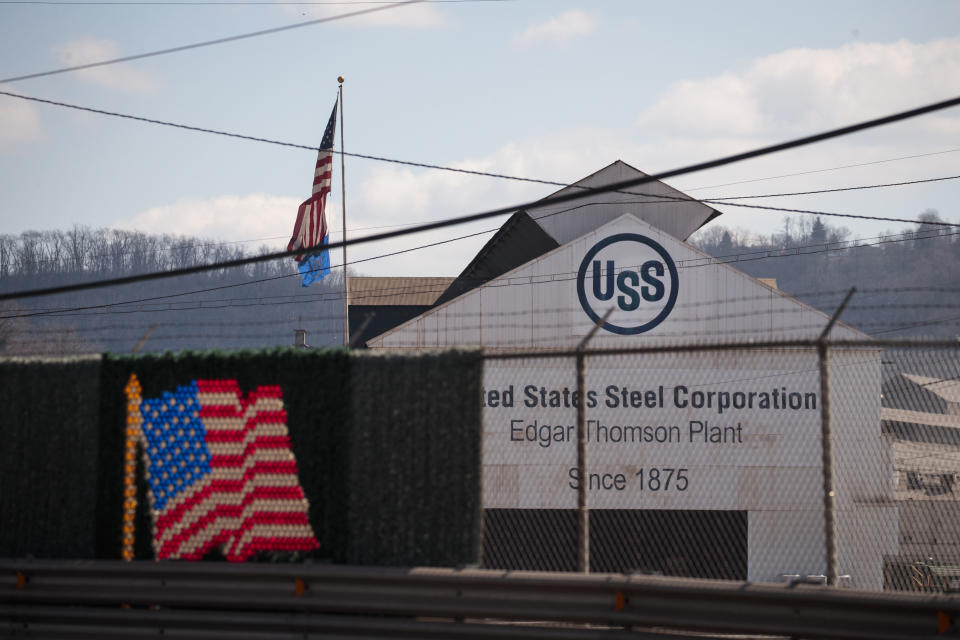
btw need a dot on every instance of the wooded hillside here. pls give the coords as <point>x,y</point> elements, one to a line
<point>907,285</point>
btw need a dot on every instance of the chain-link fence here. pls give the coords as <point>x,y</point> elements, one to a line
<point>728,462</point>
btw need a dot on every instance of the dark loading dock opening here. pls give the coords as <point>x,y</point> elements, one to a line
<point>694,544</point>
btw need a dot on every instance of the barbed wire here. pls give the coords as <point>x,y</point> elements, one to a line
<point>314,321</point>
<point>224,303</point>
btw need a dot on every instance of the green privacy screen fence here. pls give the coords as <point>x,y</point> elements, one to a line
<point>332,456</point>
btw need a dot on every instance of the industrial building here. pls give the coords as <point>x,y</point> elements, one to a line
<point>704,464</point>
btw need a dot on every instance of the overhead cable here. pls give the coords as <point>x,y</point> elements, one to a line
<point>834,190</point>
<point>250,282</point>
<point>209,43</point>
<point>657,197</point>
<point>752,256</point>
<point>555,199</point>
<point>832,214</point>
<point>488,174</point>
<point>677,199</point>
<point>149,3</point>
<point>812,171</point>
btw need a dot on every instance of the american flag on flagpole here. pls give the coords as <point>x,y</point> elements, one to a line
<point>220,471</point>
<point>310,230</point>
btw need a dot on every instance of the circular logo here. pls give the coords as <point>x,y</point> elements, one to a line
<point>634,276</point>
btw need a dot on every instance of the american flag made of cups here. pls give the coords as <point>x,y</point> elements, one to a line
<point>221,473</point>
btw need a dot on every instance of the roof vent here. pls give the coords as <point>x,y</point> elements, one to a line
<point>300,338</point>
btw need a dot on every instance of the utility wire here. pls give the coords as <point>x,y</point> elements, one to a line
<point>762,254</point>
<point>725,200</point>
<point>830,214</point>
<point>293,145</point>
<point>209,43</point>
<point>247,283</point>
<point>751,256</point>
<point>202,243</point>
<point>657,197</point>
<point>835,190</point>
<point>845,166</point>
<point>230,3</point>
<point>554,199</point>
<point>759,254</point>
<point>488,174</point>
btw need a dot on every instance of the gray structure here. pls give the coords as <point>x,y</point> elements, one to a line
<point>542,282</point>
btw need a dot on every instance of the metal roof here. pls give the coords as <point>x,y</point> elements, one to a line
<point>518,241</point>
<point>920,398</point>
<point>384,291</point>
<point>655,202</point>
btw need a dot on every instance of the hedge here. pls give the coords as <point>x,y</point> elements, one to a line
<point>49,447</point>
<point>387,449</point>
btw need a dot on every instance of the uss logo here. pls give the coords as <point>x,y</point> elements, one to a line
<point>635,276</point>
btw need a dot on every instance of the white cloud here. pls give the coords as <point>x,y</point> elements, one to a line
<point>557,31</point>
<point>120,76</point>
<point>19,122</point>
<point>802,91</point>
<point>805,90</point>
<point>226,218</point>
<point>776,98</point>
<point>389,193</point>
<point>416,16</point>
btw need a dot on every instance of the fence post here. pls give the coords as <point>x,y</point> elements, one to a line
<point>583,512</point>
<point>583,515</point>
<point>826,442</point>
<point>826,439</point>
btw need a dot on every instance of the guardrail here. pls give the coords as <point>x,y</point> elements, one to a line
<point>105,598</point>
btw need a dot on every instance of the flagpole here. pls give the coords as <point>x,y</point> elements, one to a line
<point>343,211</point>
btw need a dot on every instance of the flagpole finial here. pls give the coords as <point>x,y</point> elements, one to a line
<point>340,79</point>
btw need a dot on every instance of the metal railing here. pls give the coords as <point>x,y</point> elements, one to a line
<point>106,598</point>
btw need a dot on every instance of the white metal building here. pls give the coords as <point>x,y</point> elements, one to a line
<point>738,432</point>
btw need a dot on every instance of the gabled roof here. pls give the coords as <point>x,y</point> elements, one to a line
<point>921,396</point>
<point>384,291</point>
<point>519,240</point>
<point>745,306</point>
<point>530,234</point>
<point>656,203</point>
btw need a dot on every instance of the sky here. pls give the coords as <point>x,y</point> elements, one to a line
<point>549,90</point>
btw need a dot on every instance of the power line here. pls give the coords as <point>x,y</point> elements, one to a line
<point>230,2</point>
<point>203,243</point>
<point>488,174</point>
<point>752,256</point>
<point>258,281</point>
<point>293,145</point>
<point>831,214</point>
<point>835,190</point>
<point>209,43</point>
<point>760,254</point>
<point>845,166</point>
<point>658,197</point>
<point>554,199</point>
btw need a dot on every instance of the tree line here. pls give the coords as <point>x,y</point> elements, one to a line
<point>908,283</point>
<point>252,306</point>
<point>113,252</point>
<point>907,286</point>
